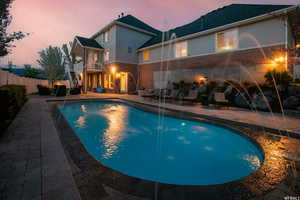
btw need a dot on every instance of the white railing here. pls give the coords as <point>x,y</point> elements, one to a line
<point>95,66</point>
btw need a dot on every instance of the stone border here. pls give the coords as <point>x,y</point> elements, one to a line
<point>264,179</point>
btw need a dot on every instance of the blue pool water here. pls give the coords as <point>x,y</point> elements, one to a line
<point>163,149</point>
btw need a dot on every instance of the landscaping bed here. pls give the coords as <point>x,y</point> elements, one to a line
<point>12,98</point>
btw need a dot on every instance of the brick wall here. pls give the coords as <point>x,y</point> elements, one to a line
<point>125,67</point>
<point>246,65</point>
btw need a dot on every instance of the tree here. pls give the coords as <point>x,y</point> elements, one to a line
<point>6,39</point>
<point>31,72</point>
<point>52,61</point>
<point>68,57</point>
<point>71,61</point>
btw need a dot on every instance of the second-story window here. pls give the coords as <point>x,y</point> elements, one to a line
<point>146,55</point>
<point>106,56</point>
<point>106,36</point>
<point>95,57</point>
<point>129,49</point>
<point>181,49</point>
<point>227,40</point>
<point>92,58</point>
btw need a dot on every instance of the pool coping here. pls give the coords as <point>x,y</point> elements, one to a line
<point>211,190</point>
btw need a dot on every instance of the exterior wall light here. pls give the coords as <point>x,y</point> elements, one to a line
<point>278,62</point>
<point>118,75</point>
<point>58,83</point>
<point>280,59</point>
<point>113,70</point>
<point>202,79</point>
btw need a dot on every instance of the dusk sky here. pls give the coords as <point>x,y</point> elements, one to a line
<point>54,22</point>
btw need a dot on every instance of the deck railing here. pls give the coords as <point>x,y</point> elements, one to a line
<point>95,66</point>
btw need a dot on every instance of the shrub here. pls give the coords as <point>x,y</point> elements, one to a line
<point>7,106</point>
<point>297,80</point>
<point>77,90</point>
<point>280,77</point>
<point>18,91</point>
<point>60,90</point>
<point>12,99</point>
<point>175,86</point>
<point>43,90</point>
<point>211,85</point>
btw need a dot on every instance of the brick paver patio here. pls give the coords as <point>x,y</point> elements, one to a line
<point>33,163</point>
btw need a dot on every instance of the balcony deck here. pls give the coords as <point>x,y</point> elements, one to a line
<point>94,68</point>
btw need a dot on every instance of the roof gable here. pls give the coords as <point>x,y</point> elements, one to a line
<point>16,71</point>
<point>133,21</point>
<point>86,42</point>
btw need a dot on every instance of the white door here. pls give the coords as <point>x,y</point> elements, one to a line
<point>123,82</point>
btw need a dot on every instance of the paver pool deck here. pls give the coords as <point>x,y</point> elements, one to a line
<point>275,121</point>
<point>34,164</point>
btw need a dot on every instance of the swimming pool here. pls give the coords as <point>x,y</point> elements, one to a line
<point>162,149</point>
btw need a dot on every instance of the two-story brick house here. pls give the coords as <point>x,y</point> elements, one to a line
<point>239,42</point>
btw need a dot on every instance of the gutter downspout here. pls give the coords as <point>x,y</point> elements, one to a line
<point>286,40</point>
<point>84,72</point>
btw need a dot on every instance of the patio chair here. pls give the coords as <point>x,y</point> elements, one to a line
<point>192,96</point>
<point>220,97</point>
<point>220,100</point>
<point>172,95</point>
<point>147,93</point>
<point>158,93</point>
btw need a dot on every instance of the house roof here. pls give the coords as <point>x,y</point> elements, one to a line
<point>217,18</point>
<point>133,21</point>
<point>86,42</point>
<point>16,71</point>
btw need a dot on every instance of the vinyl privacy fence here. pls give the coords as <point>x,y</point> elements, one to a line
<point>30,83</point>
